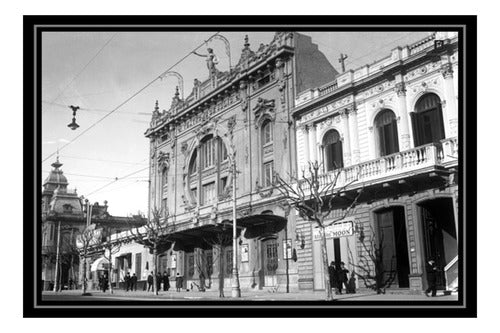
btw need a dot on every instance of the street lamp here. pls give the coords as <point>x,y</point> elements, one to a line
<point>73,125</point>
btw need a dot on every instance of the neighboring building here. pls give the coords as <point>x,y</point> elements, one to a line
<point>392,127</point>
<point>64,217</point>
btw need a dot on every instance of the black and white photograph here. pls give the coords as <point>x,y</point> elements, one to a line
<point>314,167</point>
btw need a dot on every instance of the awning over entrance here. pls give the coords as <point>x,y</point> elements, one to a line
<point>262,225</point>
<point>100,264</point>
<point>206,236</point>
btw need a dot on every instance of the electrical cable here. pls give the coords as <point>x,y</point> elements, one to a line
<point>117,179</point>
<point>84,67</point>
<point>124,102</point>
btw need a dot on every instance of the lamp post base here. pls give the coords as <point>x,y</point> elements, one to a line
<point>235,286</point>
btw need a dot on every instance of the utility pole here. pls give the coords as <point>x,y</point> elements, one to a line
<point>56,281</point>
<point>235,292</point>
<point>341,61</point>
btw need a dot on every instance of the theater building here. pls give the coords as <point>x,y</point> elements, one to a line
<point>391,127</point>
<point>241,115</point>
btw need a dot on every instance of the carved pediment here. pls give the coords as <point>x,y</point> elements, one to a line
<point>264,108</point>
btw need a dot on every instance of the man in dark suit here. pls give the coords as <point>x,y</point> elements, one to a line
<point>133,282</point>
<point>127,282</point>
<point>431,270</point>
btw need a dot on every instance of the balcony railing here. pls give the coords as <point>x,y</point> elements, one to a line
<point>391,165</point>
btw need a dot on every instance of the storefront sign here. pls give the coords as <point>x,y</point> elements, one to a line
<point>342,228</point>
<point>244,253</point>
<point>287,249</point>
<point>174,261</point>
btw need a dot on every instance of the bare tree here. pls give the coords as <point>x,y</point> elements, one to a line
<point>220,239</point>
<point>155,235</point>
<point>85,240</point>
<point>371,267</point>
<point>111,247</point>
<point>313,197</point>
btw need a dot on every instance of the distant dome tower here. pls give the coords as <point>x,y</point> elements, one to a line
<point>55,180</point>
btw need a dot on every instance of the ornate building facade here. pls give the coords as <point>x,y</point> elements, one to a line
<point>240,116</point>
<point>391,128</point>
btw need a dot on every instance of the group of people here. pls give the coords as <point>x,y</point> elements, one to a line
<point>339,278</point>
<point>161,280</point>
<point>130,282</point>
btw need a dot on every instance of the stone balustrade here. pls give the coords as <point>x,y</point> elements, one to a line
<point>400,163</point>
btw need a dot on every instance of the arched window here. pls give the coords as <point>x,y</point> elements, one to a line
<point>267,153</point>
<point>267,132</point>
<point>208,171</point>
<point>428,120</point>
<point>332,150</point>
<point>386,132</point>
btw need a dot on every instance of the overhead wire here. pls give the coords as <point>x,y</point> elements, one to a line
<point>125,101</point>
<point>84,67</point>
<point>117,179</point>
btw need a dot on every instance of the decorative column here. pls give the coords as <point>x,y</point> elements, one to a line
<point>305,135</point>
<point>347,142</point>
<point>353,131</point>
<point>450,106</point>
<point>313,151</point>
<point>404,129</point>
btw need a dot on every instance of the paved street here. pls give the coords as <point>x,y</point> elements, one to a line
<point>121,295</point>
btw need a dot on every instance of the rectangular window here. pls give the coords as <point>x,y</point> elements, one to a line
<point>268,174</point>
<point>223,151</point>
<point>191,265</point>
<point>262,82</point>
<point>138,263</point>
<point>223,183</point>
<point>194,195</point>
<point>208,153</point>
<point>229,262</point>
<point>208,194</point>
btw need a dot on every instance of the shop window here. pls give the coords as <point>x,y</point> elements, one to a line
<point>332,150</point>
<point>387,133</point>
<point>191,265</point>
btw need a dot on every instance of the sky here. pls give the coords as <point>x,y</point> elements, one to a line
<point>99,71</point>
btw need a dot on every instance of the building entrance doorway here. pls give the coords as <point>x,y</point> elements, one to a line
<point>270,262</point>
<point>440,239</point>
<point>391,232</point>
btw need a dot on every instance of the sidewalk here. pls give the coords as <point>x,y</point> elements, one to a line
<point>260,295</point>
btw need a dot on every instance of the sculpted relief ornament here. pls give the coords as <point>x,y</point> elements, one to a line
<point>264,107</point>
<point>163,160</point>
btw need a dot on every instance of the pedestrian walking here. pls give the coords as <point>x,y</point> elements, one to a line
<point>166,282</point>
<point>127,281</point>
<point>332,273</point>
<point>431,270</point>
<point>105,282</point>
<point>150,282</point>
<point>133,282</point>
<point>178,282</point>
<point>158,281</point>
<point>341,277</point>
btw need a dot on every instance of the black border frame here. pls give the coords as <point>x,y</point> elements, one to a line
<point>466,306</point>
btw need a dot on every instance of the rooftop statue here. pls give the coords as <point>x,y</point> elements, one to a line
<point>211,60</point>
